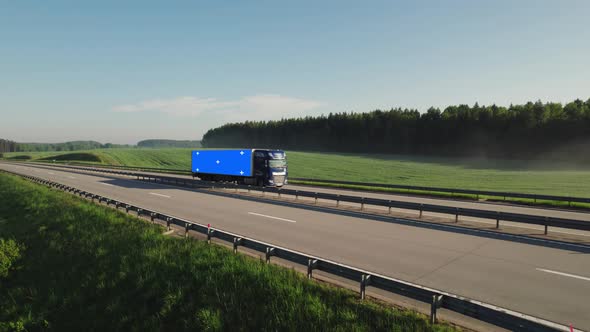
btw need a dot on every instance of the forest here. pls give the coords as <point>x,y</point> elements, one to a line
<point>7,146</point>
<point>532,130</point>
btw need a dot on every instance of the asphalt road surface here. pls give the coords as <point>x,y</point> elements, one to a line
<point>510,227</point>
<point>491,206</point>
<point>549,283</point>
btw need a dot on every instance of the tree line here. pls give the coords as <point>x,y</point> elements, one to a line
<point>7,146</point>
<point>10,146</point>
<point>66,146</point>
<point>518,131</point>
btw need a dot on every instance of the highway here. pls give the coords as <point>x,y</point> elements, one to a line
<point>550,283</point>
<point>491,206</point>
<point>555,233</point>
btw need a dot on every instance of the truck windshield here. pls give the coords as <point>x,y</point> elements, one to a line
<point>277,163</point>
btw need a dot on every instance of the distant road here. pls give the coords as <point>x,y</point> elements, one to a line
<point>538,210</point>
<point>550,283</point>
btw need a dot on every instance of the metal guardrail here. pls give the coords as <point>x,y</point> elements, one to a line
<point>477,193</point>
<point>137,168</point>
<point>363,201</point>
<point>437,299</point>
<point>452,191</point>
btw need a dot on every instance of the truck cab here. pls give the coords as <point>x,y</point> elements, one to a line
<point>270,167</point>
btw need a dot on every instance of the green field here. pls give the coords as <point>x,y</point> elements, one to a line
<point>462,173</point>
<point>70,265</point>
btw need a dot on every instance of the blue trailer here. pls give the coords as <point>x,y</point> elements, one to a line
<point>261,167</point>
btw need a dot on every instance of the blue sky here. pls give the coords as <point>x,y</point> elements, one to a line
<point>122,71</point>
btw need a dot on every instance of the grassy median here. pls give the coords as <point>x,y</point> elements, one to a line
<point>70,265</point>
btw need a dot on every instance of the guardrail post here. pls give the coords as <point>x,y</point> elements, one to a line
<point>457,215</point>
<point>209,234</point>
<point>421,209</point>
<point>269,252</point>
<point>153,216</point>
<point>139,211</point>
<point>127,208</point>
<point>365,280</point>
<point>237,242</point>
<point>389,205</point>
<point>311,264</point>
<point>362,203</point>
<point>168,220</point>
<point>316,198</point>
<point>546,225</point>
<point>117,205</point>
<point>186,229</point>
<point>436,303</point>
<point>296,194</point>
<point>338,201</point>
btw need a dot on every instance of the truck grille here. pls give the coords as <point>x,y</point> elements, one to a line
<point>279,180</point>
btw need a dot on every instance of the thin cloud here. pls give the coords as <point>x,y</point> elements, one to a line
<point>257,106</point>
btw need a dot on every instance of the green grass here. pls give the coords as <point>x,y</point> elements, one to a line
<point>75,266</point>
<point>463,173</point>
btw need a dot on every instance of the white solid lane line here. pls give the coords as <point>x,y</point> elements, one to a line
<point>271,217</point>
<point>71,177</point>
<point>156,194</point>
<point>564,274</point>
<point>106,184</point>
<point>50,173</point>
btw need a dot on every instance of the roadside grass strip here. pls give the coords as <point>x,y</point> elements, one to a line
<point>76,266</point>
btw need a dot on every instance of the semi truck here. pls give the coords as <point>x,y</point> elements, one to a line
<point>260,167</point>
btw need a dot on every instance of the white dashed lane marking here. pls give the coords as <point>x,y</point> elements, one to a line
<point>271,217</point>
<point>564,274</point>
<point>156,194</point>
